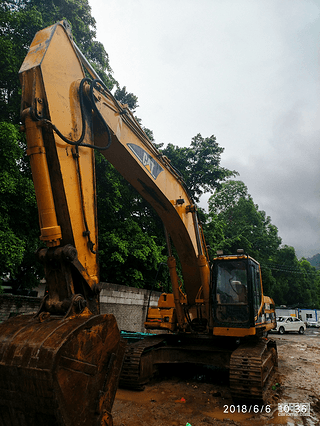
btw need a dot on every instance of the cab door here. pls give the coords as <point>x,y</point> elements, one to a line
<point>231,299</point>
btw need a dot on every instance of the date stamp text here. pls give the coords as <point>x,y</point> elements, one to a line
<point>284,409</point>
<point>244,408</point>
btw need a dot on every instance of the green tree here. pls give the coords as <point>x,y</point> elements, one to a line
<point>296,283</point>
<point>126,98</point>
<point>228,196</point>
<point>234,222</point>
<point>19,22</point>
<point>18,210</point>
<point>131,248</point>
<point>17,29</point>
<point>199,165</point>
<point>310,284</point>
<point>315,260</point>
<point>240,223</point>
<point>78,14</point>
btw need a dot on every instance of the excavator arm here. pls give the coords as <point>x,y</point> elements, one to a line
<point>77,113</point>
<point>61,366</point>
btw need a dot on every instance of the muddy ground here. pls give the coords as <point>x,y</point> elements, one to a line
<point>183,397</point>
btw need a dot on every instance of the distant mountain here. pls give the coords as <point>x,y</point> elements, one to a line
<point>315,260</point>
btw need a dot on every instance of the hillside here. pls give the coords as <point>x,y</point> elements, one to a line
<point>315,260</point>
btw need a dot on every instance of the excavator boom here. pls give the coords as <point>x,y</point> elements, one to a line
<point>114,131</point>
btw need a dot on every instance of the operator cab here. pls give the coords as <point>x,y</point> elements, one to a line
<point>237,291</point>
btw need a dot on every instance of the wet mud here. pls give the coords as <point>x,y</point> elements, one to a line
<point>202,398</point>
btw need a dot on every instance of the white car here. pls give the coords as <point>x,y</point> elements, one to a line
<point>287,324</point>
<point>313,323</point>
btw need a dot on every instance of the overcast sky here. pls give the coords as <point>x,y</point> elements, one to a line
<point>246,71</point>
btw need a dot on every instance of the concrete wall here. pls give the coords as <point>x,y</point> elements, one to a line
<point>12,305</point>
<point>286,312</point>
<point>127,304</point>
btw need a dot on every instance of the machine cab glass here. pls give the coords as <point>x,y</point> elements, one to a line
<point>231,305</point>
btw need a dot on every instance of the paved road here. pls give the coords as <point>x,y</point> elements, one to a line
<point>312,332</point>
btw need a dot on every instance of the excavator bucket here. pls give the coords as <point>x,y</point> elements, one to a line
<point>59,372</point>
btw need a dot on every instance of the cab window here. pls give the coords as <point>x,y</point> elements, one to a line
<point>232,283</point>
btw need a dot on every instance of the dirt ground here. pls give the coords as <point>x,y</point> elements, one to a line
<point>186,397</point>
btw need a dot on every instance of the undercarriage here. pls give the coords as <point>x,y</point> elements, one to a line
<point>251,361</point>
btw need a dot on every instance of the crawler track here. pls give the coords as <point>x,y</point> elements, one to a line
<point>138,365</point>
<point>251,365</point>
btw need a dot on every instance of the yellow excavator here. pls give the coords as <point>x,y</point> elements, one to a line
<point>62,366</point>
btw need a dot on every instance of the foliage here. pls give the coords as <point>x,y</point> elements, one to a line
<point>235,222</point>
<point>17,29</point>
<point>315,260</point>
<point>126,98</point>
<point>199,165</point>
<point>18,210</point>
<point>239,223</point>
<point>296,282</point>
<point>78,14</point>
<point>130,245</point>
<point>19,22</point>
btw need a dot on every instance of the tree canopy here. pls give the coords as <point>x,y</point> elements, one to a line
<point>199,165</point>
<point>19,229</point>
<point>234,222</point>
<point>240,222</point>
<point>296,282</point>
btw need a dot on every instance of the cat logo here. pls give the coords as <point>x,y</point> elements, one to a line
<point>149,163</point>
